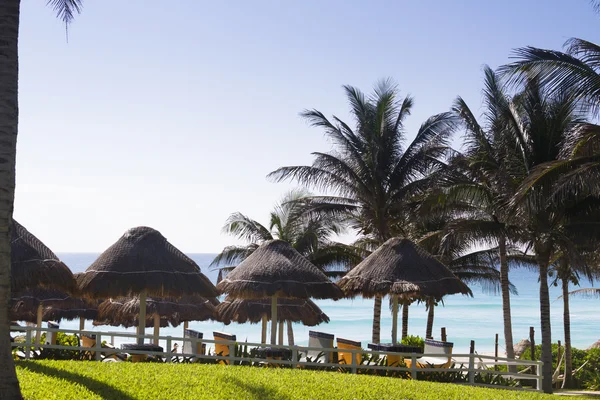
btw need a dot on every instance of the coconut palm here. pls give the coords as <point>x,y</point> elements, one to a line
<point>369,173</point>
<point>310,235</point>
<point>9,65</point>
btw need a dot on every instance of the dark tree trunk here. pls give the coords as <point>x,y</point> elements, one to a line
<point>568,382</point>
<point>543,260</point>
<point>430,315</point>
<point>405,320</point>
<point>9,117</point>
<point>377,319</point>
<point>504,287</point>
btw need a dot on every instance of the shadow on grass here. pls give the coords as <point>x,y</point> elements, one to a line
<point>256,391</point>
<point>104,390</point>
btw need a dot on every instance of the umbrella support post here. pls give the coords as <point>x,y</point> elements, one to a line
<point>274,319</point>
<point>38,333</point>
<point>263,334</point>
<point>81,323</point>
<point>290,330</point>
<point>156,328</point>
<point>281,332</point>
<point>405,320</point>
<point>394,319</point>
<point>142,317</point>
<point>185,327</point>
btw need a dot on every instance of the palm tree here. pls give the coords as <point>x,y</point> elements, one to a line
<point>309,234</point>
<point>546,121</point>
<point>9,65</point>
<point>369,174</point>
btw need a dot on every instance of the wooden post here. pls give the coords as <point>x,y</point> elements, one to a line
<point>274,319</point>
<point>142,317</point>
<point>169,353</point>
<point>472,363</point>
<point>532,349</point>
<point>394,319</point>
<point>185,327</point>
<point>405,320</point>
<point>290,330</point>
<point>263,334</point>
<point>98,347</point>
<point>81,323</point>
<point>443,334</point>
<point>38,333</point>
<point>156,328</point>
<point>496,352</point>
<point>281,332</point>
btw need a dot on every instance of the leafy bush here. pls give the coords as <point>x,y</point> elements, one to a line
<point>416,341</point>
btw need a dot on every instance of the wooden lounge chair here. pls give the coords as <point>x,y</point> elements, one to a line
<point>346,357</point>
<point>222,348</point>
<point>187,345</point>
<point>444,349</point>
<point>322,340</point>
<point>51,336</point>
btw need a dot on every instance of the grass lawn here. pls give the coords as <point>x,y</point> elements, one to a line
<point>92,380</point>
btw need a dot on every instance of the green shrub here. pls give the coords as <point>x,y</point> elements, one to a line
<point>416,341</point>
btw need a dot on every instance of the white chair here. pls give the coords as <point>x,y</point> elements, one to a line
<point>51,336</point>
<point>321,340</point>
<point>444,349</point>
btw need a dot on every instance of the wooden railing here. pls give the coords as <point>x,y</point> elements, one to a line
<point>473,361</point>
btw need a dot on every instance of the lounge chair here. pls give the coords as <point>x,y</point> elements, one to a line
<point>346,357</point>
<point>322,340</point>
<point>222,348</point>
<point>444,349</point>
<point>187,344</point>
<point>51,336</point>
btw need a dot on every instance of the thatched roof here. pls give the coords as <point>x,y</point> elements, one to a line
<point>24,304</point>
<point>521,347</point>
<point>276,268</point>
<point>175,311</point>
<point>70,309</point>
<point>33,265</point>
<point>134,321</point>
<point>402,268</point>
<point>595,345</point>
<point>252,310</point>
<point>142,259</point>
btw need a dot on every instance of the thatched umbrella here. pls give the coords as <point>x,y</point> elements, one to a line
<point>33,265</point>
<point>142,262</point>
<point>595,345</point>
<point>275,269</point>
<point>521,347</point>
<point>70,309</point>
<point>401,269</point>
<point>253,311</point>
<point>174,311</point>
<point>28,305</point>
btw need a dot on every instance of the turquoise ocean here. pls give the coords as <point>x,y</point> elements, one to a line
<point>476,318</point>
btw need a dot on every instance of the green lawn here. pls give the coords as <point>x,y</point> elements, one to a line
<point>92,380</point>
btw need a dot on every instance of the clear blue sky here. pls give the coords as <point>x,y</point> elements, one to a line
<point>171,113</point>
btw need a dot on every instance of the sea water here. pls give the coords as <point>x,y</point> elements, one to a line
<point>465,318</point>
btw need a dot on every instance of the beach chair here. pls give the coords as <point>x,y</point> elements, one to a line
<point>88,340</point>
<point>322,340</point>
<point>444,349</point>
<point>51,336</point>
<point>222,346</point>
<point>187,344</point>
<point>346,357</point>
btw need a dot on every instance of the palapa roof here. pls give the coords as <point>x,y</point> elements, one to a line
<point>252,310</point>
<point>521,347</point>
<point>34,265</point>
<point>24,305</point>
<point>142,259</point>
<point>276,268</point>
<point>134,322</point>
<point>595,345</point>
<point>400,267</point>
<point>70,309</point>
<point>175,311</point>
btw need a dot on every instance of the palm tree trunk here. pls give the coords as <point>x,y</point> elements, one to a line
<point>290,332</point>
<point>9,115</point>
<point>376,319</point>
<point>543,261</point>
<point>430,316</point>
<point>405,320</point>
<point>504,287</point>
<point>568,382</point>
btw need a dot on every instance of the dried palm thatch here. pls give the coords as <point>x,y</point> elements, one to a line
<point>252,310</point>
<point>70,309</point>
<point>134,321</point>
<point>521,347</point>
<point>595,345</point>
<point>400,267</point>
<point>143,260</point>
<point>175,311</point>
<point>33,265</point>
<point>24,305</point>
<point>277,269</point>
